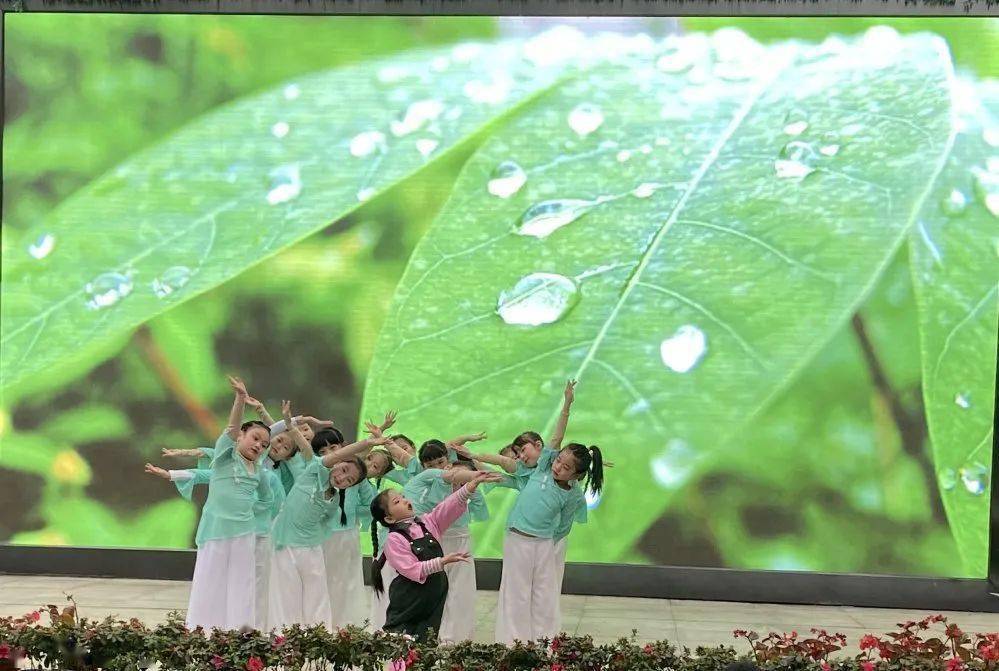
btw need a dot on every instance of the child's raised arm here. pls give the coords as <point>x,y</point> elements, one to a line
<point>462,476</point>
<point>350,451</point>
<point>258,406</point>
<point>304,446</point>
<point>468,438</point>
<point>508,464</point>
<point>236,414</point>
<point>196,452</point>
<point>399,455</point>
<point>563,419</point>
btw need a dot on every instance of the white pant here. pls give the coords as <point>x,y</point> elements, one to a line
<point>345,577</point>
<point>458,623</point>
<point>559,574</point>
<point>262,575</point>
<point>528,596</point>
<point>222,590</point>
<point>298,588</point>
<point>379,602</point>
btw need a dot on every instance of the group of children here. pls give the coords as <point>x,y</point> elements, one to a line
<point>279,543</point>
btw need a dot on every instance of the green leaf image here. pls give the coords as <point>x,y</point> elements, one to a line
<point>235,187</point>
<point>682,237</point>
<point>954,247</point>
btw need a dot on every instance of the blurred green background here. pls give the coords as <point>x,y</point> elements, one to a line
<point>83,92</point>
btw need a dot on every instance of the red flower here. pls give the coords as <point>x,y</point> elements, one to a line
<point>557,667</point>
<point>4,651</point>
<point>825,666</point>
<point>412,657</point>
<point>867,666</point>
<point>554,644</point>
<point>953,631</point>
<point>955,664</point>
<point>254,664</point>
<point>648,648</point>
<point>279,640</point>
<point>867,642</point>
<point>989,652</point>
<point>35,616</point>
<point>218,662</point>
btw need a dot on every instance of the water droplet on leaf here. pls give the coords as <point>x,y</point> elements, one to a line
<point>684,349</point>
<point>623,156</point>
<point>954,203</point>
<point>538,298</point>
<point>291,91</point>
<point>797,160</point>
<point>975,478</point>
<point>987,189</point>
<point>507,179</point>
<point>546,217</point>
<point>366,143</point>
<point>171,280</point>
<point>673,467</point>
<point>107,289</point>
<point>962,401</point>
<point>42,247</point>
<point>947,478</point>
<point>829,149</point>
<point>280,129</point>
<point>426,146</point>
<point>795,122</point>
<point>585,118</point>
<point>677,59</point>
<point>286,184</point>
<point>644,190</point>
<point>417,115</point>
<point>365,194</point>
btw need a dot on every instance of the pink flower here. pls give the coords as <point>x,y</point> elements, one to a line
<point>557,667</point>
<point>35,616</point>
<point>254,664</point>
<point>217,662</point>
<point>825,666</point>
<point>648,648</point>
<point>279,640</point>
<point>867,642</point>
<point>955,664</point>
<point>867,666</point>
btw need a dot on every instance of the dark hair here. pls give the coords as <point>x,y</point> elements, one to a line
<point>464,461</point>
<point>379,507</point>
<point>326,437</point>
<point>432,449</point>
<point>525,438</point>
<point>402,436</point>
<point>342,493</point>
<point>246,426</point>
<point>513,454</point>
<point>591,462</point>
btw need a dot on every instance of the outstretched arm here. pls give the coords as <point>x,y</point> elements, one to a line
<point>236,414</point>
<point>399,455</point>
<point>196,453</point>
<point>467,438</point>
<point>304,446</point>
<point>508,464</point>
<point>261,411</point>
<point>350,451</point>
<point>563,419</point>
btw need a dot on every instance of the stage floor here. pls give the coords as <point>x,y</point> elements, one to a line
<point>689,623</point>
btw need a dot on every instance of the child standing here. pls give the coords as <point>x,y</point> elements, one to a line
<point>527,608</point>
<point>427,490</point>
<point>418,593</point>
<point>298,589</point>
<point>223,587</point>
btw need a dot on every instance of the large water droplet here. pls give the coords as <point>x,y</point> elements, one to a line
<point>280,129</point>
<point>829,149</point>
<point>291,91</point>
<point>417,115</point>
<point>954,203</point>
<point>42,247</point>
<point>171,280</point>
<point>795,122</point>
<point>507,179</point>
<point>366,143</point>
<point>962,401</point>
<point>585,118</point>
<point>947,478</point>
<point>676,59</point>
<point>286,184</point>
<point>645,189</point>
<point>975,478</point>
<point>107,289</point>
<point>684,349</point>
<point>546,217</point>
<point>365,194</point>
<point>538,298</point>
<point>797,160</point>
<point>426,146</point>
<point>673,467</point>
<point>987,189</point>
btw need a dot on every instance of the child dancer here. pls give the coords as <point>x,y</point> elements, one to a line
<point>298,590</point>
<point>426,490</point>
<point>222,590</point>
<point>527,608</point>
<point>417,595</point>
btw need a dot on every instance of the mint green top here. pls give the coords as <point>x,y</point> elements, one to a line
<point>542,505</point>
<point>264,510</point>
<point>290,469</point>
<point>400,476</point>
<point>303,521</point>
<point>233,490</point>
<point>429,488</point>
<point>356,505</point>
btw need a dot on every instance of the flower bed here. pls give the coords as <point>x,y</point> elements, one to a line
<point>66,641</point>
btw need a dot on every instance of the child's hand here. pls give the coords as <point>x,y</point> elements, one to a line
<point>380,440</point>
<point>373,429</point>
<point>389,420</point>
<point>253,403</point>
<point>157,471</point>
<point>470,438</point>
<point>455,557</point>
<point>173,454</point>
<point>318,423</point>
<point>483,477</point>
<point>570,388</point>
<point>238,387</point>
<point>460,448</point>
<point>286,413</point>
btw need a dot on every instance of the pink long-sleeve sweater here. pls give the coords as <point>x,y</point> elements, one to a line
<point>397,551</point>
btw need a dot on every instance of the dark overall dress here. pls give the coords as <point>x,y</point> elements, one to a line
<point>416,608</point>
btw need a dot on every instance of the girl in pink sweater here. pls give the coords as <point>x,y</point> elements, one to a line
<point>413,549</point>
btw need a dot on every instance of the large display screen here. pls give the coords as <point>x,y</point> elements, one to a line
<point>766,248</point>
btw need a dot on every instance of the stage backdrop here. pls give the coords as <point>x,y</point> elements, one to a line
<point>766,248</point>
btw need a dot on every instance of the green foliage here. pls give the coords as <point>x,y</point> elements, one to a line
<point>676,238</point>
<point>955,275</point>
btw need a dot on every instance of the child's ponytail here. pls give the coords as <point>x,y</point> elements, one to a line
<point>377,561</point>
<point>595,478</point>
